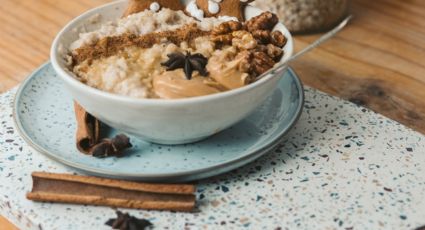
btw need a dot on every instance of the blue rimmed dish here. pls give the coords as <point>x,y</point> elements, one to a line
<point>44,116</point>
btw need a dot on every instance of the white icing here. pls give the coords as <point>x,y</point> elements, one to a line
<point>244,0</point>
<point>194,11</point>
<point>154,7</point>
<point>226,18</point>
<point>213,7</point>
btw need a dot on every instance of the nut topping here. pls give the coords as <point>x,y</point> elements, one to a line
<point>243,40</point>
<point>264,21</point>
<point>278,39</point>
<point>261,63</point>
<point>245,64</point>
<point>262,36</point>
<point>224,39</point>
<point>274,52</point>
<point>226,27</point>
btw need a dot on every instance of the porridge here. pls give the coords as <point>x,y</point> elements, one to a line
<point>164,53</point>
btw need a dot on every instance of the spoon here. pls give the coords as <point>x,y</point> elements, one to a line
<point>307,49</point>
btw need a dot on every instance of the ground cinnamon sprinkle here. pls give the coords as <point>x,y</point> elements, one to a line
<point>110,46</point>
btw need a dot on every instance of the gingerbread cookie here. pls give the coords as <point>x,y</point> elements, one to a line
<point>231,8</point>
<point>136,6</point>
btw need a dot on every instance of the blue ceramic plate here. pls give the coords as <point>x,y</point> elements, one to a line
<point>45,118</point>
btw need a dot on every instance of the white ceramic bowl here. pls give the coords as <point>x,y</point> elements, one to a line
<point>158,120</point>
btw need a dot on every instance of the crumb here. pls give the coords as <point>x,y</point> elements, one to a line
<point>94,19</point>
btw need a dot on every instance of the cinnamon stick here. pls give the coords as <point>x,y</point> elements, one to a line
<point>88,129</point>
<point>88,137</point>
<point>89,190</point>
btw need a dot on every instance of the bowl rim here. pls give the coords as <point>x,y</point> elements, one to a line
<point>63,74</point>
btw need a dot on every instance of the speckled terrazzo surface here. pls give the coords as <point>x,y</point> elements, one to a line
<point>341,167</point>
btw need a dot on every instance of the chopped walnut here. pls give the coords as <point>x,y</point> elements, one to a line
<point>226,27</point>
<point>234,25</point>
<point>245,63</point>
<point>261,48</point>
<point>271,50</point>
<point>278,39</point>
<point>261,62</point>
<point>264,21</point>
<point>224,39</point>
<point>243,40</point>
<point>274,52</point>
<point>262,36</point>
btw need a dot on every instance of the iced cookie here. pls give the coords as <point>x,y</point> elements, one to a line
<point>136,6</point>
<point>230,8</point>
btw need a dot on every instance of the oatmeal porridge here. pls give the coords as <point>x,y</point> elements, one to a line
<point>168,54</point>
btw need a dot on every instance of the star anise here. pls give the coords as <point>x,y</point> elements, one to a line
<point>189,63</point>
<point>126,222</point>
<point>111,147</point>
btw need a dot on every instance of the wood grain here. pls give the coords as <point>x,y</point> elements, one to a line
<point>28,29</point>
<point>6,225</point>
<point>378,61</point>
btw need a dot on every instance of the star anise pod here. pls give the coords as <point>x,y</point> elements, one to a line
<point>188,62</point>
<point>126,222</point>
<point>111,147</point>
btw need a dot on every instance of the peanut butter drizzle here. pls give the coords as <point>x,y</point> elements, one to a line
<point>110,46</point>
<point>225,69</point>
<point>173,85</point>
<point>225,73</point>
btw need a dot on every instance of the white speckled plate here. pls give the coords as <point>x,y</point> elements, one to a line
<point>44,115</point>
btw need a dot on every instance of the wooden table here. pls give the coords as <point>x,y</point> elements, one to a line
<point>378,61</point>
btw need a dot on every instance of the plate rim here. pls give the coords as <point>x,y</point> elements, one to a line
<point>247,157</point>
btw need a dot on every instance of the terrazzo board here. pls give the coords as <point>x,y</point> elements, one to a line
<point>341,167</point>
